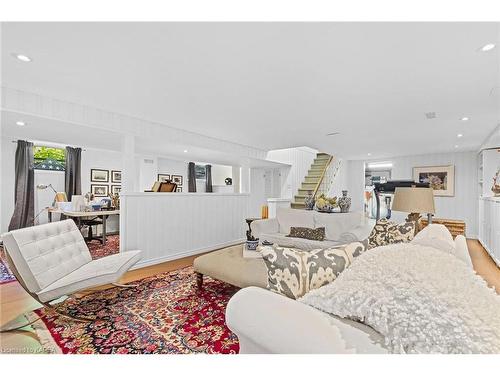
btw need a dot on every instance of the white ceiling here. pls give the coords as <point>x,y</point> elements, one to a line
<point>47,131</point>
<point>275,85</point>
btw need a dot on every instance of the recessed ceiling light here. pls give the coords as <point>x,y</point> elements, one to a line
<point>456,146</point>
<point>185,150</point>
<point>487,47</point>
<point>369,154</point>
<point>464,119</point>
<point>22,57</point>
<point>460,135</point>
<point>20,123</point>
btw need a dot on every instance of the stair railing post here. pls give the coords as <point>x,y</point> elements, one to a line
<point>322,176</point>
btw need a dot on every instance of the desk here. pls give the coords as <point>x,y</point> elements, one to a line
<point>81,214</point>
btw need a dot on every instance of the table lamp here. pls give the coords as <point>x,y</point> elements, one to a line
<point>415,201</point>
<point>58,197</point>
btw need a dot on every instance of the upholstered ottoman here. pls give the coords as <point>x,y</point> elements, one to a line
<point>230,266</point>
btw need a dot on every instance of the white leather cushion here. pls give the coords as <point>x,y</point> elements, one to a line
<point>45,253</point>
<point>436,236</point>
<point>289,217</point>
<point>97,272</point>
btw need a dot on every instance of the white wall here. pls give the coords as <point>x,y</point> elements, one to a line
<point>203,222</point>
<point>177,167</point>
<point>463,206</point>
<point>220,173</point>
<point>148,171</point>
<point>355,183</point>
<point>300,159</point>
<point>45,198</point>
<point>7,180</point>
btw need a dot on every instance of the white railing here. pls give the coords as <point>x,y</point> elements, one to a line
<point>329,176</point>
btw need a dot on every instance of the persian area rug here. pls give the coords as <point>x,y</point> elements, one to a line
<point>164,314</point>
<point>112,246</point>
<point>6,275</point>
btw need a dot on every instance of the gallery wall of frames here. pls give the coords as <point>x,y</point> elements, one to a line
<point>105,182</point>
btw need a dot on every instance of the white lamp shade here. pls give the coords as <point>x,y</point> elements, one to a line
<point>414,199</point>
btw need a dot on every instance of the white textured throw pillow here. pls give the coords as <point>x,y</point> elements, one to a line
<point>436,236</point>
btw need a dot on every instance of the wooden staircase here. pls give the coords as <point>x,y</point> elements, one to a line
<point>312,180</point>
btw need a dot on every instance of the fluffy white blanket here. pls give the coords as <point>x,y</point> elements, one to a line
<point>420,299</point>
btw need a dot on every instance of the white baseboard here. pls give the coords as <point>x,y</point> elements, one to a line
<point>151,262</point>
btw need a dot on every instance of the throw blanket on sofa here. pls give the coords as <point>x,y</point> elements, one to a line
<point>422,300</point>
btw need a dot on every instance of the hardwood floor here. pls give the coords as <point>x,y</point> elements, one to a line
<point>14,300</point>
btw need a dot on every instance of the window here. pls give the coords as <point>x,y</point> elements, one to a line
<point>49,158</point>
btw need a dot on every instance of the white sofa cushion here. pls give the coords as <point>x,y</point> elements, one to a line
<point>436,236</point>
<point>97,272</point>
<point>338,224</point>
<point>289,217</point>
<point>298,243</point>
<point>439,237</point>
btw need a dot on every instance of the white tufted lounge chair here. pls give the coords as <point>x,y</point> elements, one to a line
<point>52,260</point>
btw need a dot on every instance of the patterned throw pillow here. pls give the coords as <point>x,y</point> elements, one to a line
<point>316,234</point>
<point>293,272</point>
<point>386,232</point>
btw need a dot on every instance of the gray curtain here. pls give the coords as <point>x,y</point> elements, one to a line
<point>208,178</point>
<point>24,208</point>
<point>191,178</point>
<point>73,173</point>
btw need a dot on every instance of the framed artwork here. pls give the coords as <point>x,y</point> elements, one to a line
<point>116,177</point>
<point>177,179</point>
<point>116,189</point>
<point>440,178</point>
<point>179,189</point>
<point>163,177</point>
<point>99,175</point>
<point>99,190</point>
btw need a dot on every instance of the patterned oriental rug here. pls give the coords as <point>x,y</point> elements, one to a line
<point>96,250</point>
<point>6,275</point>
<point>163,314</point>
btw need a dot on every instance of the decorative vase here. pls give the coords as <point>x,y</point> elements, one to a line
<point>309,201</point>
<point>252,245</point>
<point>344,202</point>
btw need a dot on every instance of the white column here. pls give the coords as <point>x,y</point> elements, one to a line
<point>245,180</point>
<point>236,179</point>
<point>129,171</point>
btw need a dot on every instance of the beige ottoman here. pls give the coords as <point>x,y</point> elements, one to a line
<point>228,265</point>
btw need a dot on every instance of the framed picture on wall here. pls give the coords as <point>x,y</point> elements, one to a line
<point>179,189</point>
<point>115,189</point>
<point>99,190</point>
<point>440,178</point>
<point>177,179</point>
<point>163,177</point>
<point>116,177</point>
<point>99,175</point>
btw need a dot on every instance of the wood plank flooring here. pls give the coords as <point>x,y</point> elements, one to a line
<point>14,300</point>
